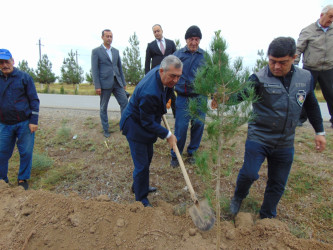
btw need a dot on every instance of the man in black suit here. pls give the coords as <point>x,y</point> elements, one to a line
<point>156,51</point>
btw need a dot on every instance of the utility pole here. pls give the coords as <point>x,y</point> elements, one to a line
<point>77,68</point>
<point>40,56</point>
<point>77,62</point>
<point>40,49</point>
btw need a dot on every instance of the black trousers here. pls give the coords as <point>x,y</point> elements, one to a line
<point>325,80</point>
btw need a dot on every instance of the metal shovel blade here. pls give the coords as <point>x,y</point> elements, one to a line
<point>202,215</point>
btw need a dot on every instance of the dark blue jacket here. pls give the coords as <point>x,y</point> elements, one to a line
<point>191,63</point>
<point>141,119</point>
<point>18,98</point>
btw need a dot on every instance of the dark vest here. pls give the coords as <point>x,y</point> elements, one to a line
<point>277,112</point>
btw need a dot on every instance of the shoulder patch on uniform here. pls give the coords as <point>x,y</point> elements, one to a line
<point>300,97</point>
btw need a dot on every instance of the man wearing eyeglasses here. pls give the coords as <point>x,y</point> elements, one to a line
<point>141,121</point>
<point>282,91</point>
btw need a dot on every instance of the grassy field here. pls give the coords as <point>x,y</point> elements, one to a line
<point>71,155</point>
<point>88,89</point>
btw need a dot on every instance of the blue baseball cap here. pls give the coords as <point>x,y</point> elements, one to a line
<point>5,54</point>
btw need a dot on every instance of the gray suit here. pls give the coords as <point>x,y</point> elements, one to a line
<point>104,71</point>
<point>108,76</point>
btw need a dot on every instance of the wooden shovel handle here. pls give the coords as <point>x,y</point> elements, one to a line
<point>182,166</point>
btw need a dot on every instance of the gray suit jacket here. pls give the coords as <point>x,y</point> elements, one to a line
<point>104,71</point>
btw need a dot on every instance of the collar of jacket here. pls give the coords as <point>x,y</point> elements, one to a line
<point>11,74</point>
<point>286,78</point>
<point>158,78</point>
<point>105,47</point>
<point>186,50</point>
<point>290,73</point>
<point>318,27</point>
<point>162,40</point>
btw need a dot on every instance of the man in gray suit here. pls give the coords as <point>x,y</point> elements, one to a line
<point>108,77</point>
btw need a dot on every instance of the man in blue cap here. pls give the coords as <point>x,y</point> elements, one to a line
<point>19,107</point>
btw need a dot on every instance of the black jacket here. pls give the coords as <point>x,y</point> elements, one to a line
<point>154,55</point>
<point>279,106</point>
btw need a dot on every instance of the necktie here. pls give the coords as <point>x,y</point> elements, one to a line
<point>162,47</point>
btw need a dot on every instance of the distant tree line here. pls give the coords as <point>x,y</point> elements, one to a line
<point>72,73</point>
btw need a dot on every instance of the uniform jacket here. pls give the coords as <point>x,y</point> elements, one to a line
<point>141,119</point>
<point>191,64</point>
<point>104,71</point>
<point>18,98</point>
<point>277,111</point>
<point>154,55</point>
<point>316,46</point>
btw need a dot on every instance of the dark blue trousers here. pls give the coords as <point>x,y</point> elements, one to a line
<point>279,165</point>
<point>142,154</point>
<point>20,135</point>
<point>183,119</point>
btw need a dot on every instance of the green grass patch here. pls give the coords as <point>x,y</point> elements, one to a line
<point>225,206</point>
<point>299,230</point>
<point>90,123</point>
<point>59,174</point>
<point>64,134</point>
<point>303,182</point>
<point>251,204</point>
<point>325,212</point>
<point>41,162</point>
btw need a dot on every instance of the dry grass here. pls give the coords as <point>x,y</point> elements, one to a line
<point>89,89</point>
<point>91,166</point>
<point>63,88</point>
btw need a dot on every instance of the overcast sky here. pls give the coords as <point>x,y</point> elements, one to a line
<point>62,25</point>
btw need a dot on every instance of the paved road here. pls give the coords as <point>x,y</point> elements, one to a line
<point>92,103</point>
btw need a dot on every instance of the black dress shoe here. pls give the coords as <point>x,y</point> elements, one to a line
<point>150,189</point>
<point>235,205</point>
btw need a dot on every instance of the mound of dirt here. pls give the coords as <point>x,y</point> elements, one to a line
<point>44,220</point>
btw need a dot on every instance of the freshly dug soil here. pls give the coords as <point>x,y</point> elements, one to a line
<point>44,220</point>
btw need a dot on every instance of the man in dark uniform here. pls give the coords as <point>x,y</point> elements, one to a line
<point>141,120</point>
<point>283,90</point>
